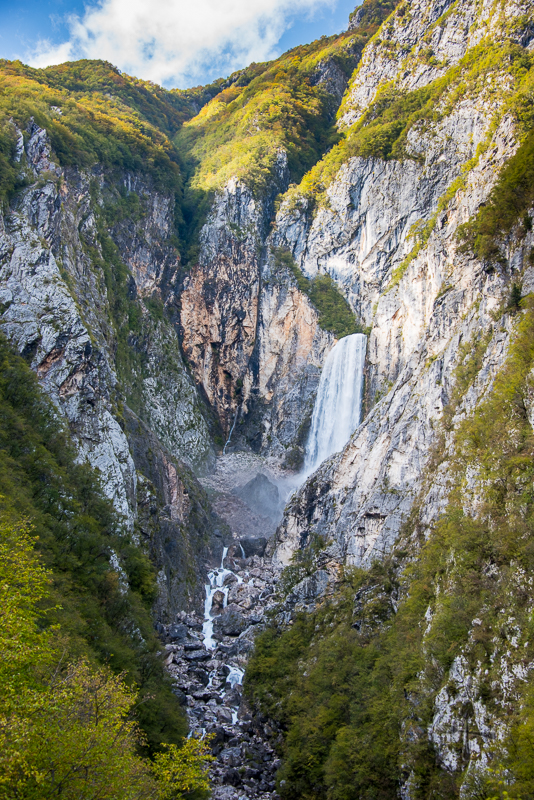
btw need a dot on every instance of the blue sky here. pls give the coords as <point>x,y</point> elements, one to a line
<point>173,42</point>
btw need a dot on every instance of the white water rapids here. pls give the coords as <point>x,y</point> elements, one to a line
<point>337,410</point>
<point>216,584</point>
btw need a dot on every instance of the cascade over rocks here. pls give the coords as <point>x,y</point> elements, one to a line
<point>208,671</point>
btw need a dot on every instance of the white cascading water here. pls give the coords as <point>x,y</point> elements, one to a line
<point>216,584</point>
<point>337,410</point>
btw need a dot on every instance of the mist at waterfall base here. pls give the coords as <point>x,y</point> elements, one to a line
<point>338,404</point>
<point>265,491</point>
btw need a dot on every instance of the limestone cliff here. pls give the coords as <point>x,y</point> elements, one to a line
<point>62,279</point>
<point>387,227</point>
<point>251,336</point>
<point>420,295</point>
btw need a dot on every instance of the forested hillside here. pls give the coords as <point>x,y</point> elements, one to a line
<point>79,650</point>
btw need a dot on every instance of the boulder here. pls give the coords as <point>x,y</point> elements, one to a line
<point>197,655</point>
<point>167,661</point>
<point>224,714</point>
<point>203,695</point>
<point>253,547</point>
<point>231,776</point>
<point>228,649</point>
<point>244,595</point>
<point>231,622</point>
<point>181,696</point>
<point>217,603</point>
<point>193,623</point>
<point>225,793</point>
<point>233,698</point>
<point>177,632</point>
<point>201,675</point>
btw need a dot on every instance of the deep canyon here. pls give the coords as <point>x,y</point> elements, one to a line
<point>286,321</point>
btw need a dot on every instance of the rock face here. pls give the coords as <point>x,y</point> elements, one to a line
<point>290,352</point>
<point>57,310</point>
<point>251,336</point>
<point>175,521</point>
<point>422,302</point>
<point>68,346</point>
<point>220,299</point>
<point>422,40</point>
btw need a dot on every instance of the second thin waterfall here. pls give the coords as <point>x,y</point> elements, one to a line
<point>337,410</point>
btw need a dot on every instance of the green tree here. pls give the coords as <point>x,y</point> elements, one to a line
<point>68,729</point>
<point>183,771</point>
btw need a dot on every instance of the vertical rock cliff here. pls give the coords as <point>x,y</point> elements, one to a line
<point>251,336</point>
<point>87,266</point>
<point>385,228</point>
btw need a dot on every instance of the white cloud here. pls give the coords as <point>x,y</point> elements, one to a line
<point>176,41</point>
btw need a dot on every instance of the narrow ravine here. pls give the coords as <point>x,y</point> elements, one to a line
<point>208,653</point>
<point>207,658</point>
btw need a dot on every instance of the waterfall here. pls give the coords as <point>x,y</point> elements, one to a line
<point>231,431</point>
<point>216,584</point>
<point>337,410</point>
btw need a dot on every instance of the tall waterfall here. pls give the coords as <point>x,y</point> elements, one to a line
<point>337,409</point>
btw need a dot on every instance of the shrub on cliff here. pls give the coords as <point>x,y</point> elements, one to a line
<point>335,314</point>
<point>506,208</point>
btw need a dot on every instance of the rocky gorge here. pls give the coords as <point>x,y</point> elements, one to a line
<point>207,655</point>
<point>363,630</point>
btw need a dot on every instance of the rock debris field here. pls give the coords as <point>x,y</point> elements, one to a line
<point>208,669</point>
<point>207,654</point>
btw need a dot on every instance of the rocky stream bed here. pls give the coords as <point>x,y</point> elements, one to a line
<point>206,654</point>
<point>207,658</point>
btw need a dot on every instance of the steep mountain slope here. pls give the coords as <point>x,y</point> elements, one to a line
<point>249,331</point>
<point>386,227</point>
<point>175,267</point>
<point>88,262</point>
<point>103,582</point>
<point>422,213</point>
